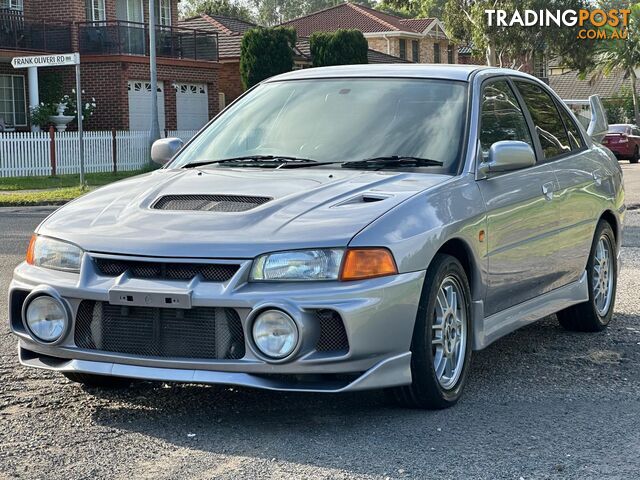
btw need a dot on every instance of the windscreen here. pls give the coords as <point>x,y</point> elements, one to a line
<point>340,120</point>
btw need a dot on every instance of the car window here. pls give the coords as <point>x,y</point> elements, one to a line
<point>636,132</point>
<point>575,139</point>
<point>549,127</point>
<point>501,117</point>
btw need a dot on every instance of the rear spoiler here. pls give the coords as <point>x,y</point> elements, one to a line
<point>599,125</point>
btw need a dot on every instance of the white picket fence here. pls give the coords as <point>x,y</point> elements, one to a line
<point>29,154</point>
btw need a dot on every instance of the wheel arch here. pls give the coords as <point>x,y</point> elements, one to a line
<point>460,249</point>
<point>611,218</point>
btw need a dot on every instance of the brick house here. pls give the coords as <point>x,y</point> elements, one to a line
<point>230,32</point>
<point>421,40</point>
<point>112,38</point>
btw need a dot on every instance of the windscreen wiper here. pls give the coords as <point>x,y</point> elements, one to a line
<point>250,159</point>
<point>392,161</point>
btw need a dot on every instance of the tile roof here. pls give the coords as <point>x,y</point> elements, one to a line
<point>569,87</point>
<point>359,17</point>
<point>379,57</point>
<point>417,24</point>
<point>223,25</point>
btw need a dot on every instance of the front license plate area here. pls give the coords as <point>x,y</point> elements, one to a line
<point>164,299</point>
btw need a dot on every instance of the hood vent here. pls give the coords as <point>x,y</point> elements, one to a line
<point>209,203</point>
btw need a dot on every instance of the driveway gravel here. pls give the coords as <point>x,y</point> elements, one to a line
<point>541,403</point>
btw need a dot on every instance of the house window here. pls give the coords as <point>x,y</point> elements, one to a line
<point>540,65</point>
<point>96,11</point>
<point>164,12</point>
<point>436,53</point>
<point>403,49</point>
<point>13,103</point>
<point>12,5</point>
<point>450,58</point>
<point>415,51</point>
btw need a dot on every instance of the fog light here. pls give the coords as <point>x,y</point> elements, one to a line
<point>46,318</point>
<point>275,334</point>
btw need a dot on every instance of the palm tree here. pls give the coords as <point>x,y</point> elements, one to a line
<point>623,55</point>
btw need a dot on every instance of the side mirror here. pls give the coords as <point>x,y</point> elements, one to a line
<point>165,149</point>
<point>508,155</point>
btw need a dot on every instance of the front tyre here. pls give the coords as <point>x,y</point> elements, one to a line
<point>636,155</point>
<point>602,275</point>
<point>441,345</point>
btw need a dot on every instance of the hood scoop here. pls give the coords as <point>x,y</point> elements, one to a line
<point>209,203</point>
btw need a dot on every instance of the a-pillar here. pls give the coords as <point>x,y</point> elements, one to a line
<point>34,94</point>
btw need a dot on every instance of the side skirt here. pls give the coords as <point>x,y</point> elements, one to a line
<point>488,330</point>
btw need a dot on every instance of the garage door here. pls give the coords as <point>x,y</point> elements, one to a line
<point>192,104</point>
<point>140,105</point>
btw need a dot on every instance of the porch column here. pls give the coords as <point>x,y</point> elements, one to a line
<point>34,94</point>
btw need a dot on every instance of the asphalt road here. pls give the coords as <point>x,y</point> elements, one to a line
<point>541,403</point>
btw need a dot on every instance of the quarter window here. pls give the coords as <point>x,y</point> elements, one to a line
<point>502,117</point>
<point>575,139</point>
<point>403,48</point>
<point>13,105</point>
<point>549,127</point>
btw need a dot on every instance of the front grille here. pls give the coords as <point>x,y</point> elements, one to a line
<point>333,336</point>
<point>209,203</point>
<point>210,272</point>
<point>202,332</point>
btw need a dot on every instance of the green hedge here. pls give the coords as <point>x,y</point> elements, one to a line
<point>342,47</point>
<point>266,52</point>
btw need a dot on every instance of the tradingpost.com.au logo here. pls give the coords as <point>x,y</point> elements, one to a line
<point>590,22</point>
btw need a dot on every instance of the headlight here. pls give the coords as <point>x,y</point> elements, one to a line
<point>275,334</point>
<point>49,253</point>
<point>321,264</point>
<point>46,318</point>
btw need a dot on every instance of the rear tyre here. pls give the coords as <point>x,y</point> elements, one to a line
<point>98,381</point>
<point>602,272</point>
<point>441,345</point>
<point>636,156</point>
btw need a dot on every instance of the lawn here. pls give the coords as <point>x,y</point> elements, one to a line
<point>62,181</point>
<point>59,196</point>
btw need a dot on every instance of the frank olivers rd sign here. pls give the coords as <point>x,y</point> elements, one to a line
<point>57,60</point>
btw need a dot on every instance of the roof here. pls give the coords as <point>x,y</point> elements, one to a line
<point>359,17</point>
<point>380,57</point>
<point>221,24</point>
<point>404,70</point>
<point>569,87</point>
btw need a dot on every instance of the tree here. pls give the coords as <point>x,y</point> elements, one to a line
<point>228,8</point>
<point>622,54</point>
<point>265,52</point>
<point>466,22</point>
<point>414,8</point>
<point>342,47</point>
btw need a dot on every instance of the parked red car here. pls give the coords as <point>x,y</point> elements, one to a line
<point>624,141</point>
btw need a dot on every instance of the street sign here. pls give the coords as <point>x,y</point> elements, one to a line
<point>60,60</point>
<point>57,60</point>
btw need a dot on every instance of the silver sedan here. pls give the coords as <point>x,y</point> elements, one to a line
<point>335,229</point>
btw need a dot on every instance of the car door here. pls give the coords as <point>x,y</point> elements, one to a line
<point>583,178</point>
<point>635,135</point>
<point>519,206</point>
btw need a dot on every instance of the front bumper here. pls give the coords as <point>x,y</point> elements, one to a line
<point>378,317</point>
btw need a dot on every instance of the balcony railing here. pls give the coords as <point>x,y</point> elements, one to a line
<point>41,36</point>
<point>130,38</point>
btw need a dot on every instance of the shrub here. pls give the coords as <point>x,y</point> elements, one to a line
<point>266,52</point>
<point>342,47</point>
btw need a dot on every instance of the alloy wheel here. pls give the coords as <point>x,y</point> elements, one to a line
<point>449,333</point>
<point>602,281</point>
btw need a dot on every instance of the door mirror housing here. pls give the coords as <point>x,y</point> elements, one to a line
<point>506,156</point>
<point>165,149</point>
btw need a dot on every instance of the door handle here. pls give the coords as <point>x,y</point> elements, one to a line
<point>547,190</point>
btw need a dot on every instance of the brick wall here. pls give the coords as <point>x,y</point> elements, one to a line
<point>229,81</point>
